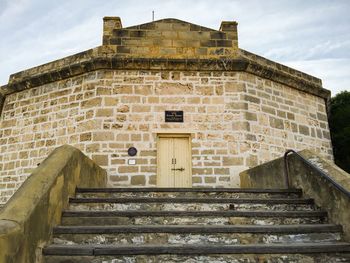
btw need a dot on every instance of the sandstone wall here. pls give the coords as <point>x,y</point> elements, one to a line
<point>237,120</point>
<point>170,38</point>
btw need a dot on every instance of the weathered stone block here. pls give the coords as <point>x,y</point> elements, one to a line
<point>322,117</point>
<point>91,103</point>
<point>217,35</point>
<point>234,161</point>
<point>119,178</point>
<point>205,90</point>
<point>251,99</point>
<point>129,169</point>
<point>199,171</point>
<point>152,180</point>
<point>141,108</point>
<point>304,130</point>
<point>138,180</point>
<point>240,126</point>
<point>143,89</point>
<point>85,137</point>
<point>100,159</point>
<point>235,87</point>
<point>210,180</point>
<point>103,136</point>
<point>276,123</point>
<point>268,110</point>
<point>237,106</point>
<point>281,114</point>
<point>104,113</point>
<point>221,171</point>
<point>169,34</point>
<point>125,89</point>
<point>223,43</point>
<point>174,88</point>
<point>196,179</point>
<point>290,116</point>
<point>251,116</point>
<point>103,91</point>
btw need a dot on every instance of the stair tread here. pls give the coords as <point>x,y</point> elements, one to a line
<point>199,190</point>
<point>307,228</point>
<point>192,200</point>
<point>195,249</point>
<point>196,213</point>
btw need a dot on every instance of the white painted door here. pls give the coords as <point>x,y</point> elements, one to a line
<point>174,162</point>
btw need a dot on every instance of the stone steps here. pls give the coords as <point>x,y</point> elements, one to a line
<point>193,200</point>
<point>103,250</point>
<point>194,225</point>
<point>199,239</point>
<point>219,258</point>
<point>189,207</point>
<point>188,192</point>
<point>185,234</point>
<point>192,217</point>
<point>190,204</point>
<point>319,228</point>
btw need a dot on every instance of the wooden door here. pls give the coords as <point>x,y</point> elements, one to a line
<point>174,161</point>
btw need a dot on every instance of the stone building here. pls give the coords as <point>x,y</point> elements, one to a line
<point>197,108</point>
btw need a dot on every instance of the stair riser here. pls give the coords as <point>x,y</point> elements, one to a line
<point>188,207</point>
<point>238,258</point>
<point>177,239</point>
<point>173,220</point>
<point>188,194</point>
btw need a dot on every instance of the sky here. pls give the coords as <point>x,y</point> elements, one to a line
<point>309,35</point>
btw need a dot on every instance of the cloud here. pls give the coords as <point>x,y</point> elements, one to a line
<point>11,9</point>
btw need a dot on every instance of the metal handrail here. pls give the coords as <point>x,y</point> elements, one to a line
<point>322,173</point>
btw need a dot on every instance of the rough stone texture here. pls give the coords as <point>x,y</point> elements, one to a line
<point>26,220</point>
<point>197,239</point>
<point>314,185</point>
<point>175,220</point>
<point>171,38</point>
<point>208,259</point>
<point>191,207</point>
<point>190,236</point>
<point>105,112</point>
<point>236,195</point>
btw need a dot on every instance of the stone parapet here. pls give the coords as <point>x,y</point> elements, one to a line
<point>96,59</point>
<point>27,219</point>
<point>110,23</point>
<point>301,175</point>
<point>278,67</point>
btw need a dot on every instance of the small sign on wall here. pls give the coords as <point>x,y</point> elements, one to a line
<point>174,116</point>
<point>131,162</point>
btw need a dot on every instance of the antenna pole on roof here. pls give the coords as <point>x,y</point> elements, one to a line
<point>153,15</point>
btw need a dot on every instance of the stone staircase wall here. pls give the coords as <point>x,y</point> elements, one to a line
<point>26,221</point>
<point>301,175</point>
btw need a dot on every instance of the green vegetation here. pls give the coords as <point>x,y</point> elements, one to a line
<point>339,123</point>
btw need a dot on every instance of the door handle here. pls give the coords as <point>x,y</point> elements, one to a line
<point>178,169</point>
